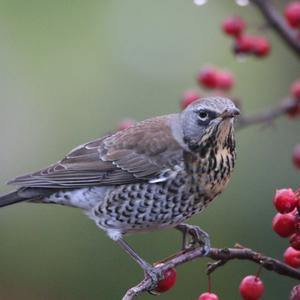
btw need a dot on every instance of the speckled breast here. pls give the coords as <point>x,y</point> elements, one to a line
<point>148,206</point>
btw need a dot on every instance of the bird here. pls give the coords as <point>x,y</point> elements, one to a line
<point>153,175</point>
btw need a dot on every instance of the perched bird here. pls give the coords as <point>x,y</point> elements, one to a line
<point>153,175</point>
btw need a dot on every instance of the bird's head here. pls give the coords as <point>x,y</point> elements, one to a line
<point>208,120</point>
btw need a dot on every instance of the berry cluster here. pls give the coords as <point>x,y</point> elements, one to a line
<point>235,26</point>
<point>212,78</point>
<point>251,288</point>
<point>286,223</point>
<point>292,14</point>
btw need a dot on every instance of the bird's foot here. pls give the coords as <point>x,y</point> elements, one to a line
<point>198,237</point>
<point>155,274</point>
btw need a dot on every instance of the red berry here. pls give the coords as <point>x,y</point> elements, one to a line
<point>234,26</point>
<point>285,200</point>
<point>257,45</point>
<point>292,257</point>
<point>251,288</point>
<point>296,156</point>
<point>208,296</point>
<point>295,90</point>
<point>225,80</point>
<point>292,13</point>
<point>295,293</point>
<point>261,46</point>
<point>208,77</point>
<point>244,44</point>
<point>295,241</point>
<point>167,282</point>
<point>126,123</point>
<point>189,97</point>
<point>284,225</point>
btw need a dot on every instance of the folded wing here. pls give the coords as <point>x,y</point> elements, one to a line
<point>137,154</point>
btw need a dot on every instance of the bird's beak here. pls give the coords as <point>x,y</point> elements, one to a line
<point>230,113</point>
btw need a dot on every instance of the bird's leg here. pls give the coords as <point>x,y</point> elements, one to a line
<point>154,273</point>
<point>198,237</point>
<point>184,230</point>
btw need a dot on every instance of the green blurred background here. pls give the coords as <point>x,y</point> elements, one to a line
<point>69,71</point>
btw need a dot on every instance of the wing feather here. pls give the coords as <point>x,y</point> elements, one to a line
<point>133,155</point>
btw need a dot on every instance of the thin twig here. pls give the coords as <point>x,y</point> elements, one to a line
<point>278,23</point>
<point>221,256</point>
<point>266,117</point>
<point>268,263</point>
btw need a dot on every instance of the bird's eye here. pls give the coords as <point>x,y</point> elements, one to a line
<point>203,115</point>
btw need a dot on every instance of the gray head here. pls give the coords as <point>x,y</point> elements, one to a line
<point>208,118</point>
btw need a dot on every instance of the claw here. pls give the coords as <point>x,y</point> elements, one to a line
<point>198,237</point>
<point>156,275</point>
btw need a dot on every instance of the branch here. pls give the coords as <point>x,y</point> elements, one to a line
<point>276,20</point>
<point>224,255</point>
<point>267,117</point>
<point>221,256</point>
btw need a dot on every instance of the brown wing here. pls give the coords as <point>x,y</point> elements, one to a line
<point>133,155</point>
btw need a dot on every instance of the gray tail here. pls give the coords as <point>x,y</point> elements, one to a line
<point>21,195</point>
